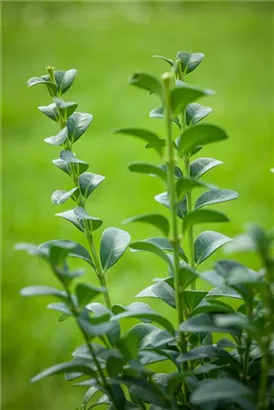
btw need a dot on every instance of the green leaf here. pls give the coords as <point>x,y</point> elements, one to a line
<point>189,61</point>
<point>114,243</point>
<point>86,293</point>
<point>82,215</point>
<point>64,79</point>
<point>69,163</point>
<point>193,297</point>
<point>159,221</point>
<point>147,82</point>
<point>187,274</point>
<point>196,113</point>
<point>165,245</point>
<point>66,108</point>
<point>58,139</point>
<point>88,182</point>
<point>50,111</point>
<point>93,330</point>
<point>161,290</point>
<point>59,250</point>
<point>60,307</point>
<point>203,323</point>
<point>218,389</point>
<point>203,216</point>
<point>77,124</point>
<point>60,197</point>
<point>71,217</point>
<point>218,292</point>
<point>31,249</point>
<point>62,368</point>
<point>207,243</point>
<point>149,246</point>
<point>168,60</point>
<point>204,352</point>
<point>181,207</point>
<point>63,165</point>
<point>214,306</point>
<point>199,135</point>
<point>159,113</point>
<point>215,196</point>
<point>147,168</point>
<point>185,185</point>
<point>43,291</point>
<point>150,137</point>
<point>143,311</point>
<point>201,165</point>
<point>43,80</point>
<point>183,95</point>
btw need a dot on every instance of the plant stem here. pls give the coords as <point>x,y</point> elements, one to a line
<point>262,405</point>
<point>175,239</point>
<point>190,230</point>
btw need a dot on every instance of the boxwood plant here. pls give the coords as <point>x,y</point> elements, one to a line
<point>220,348</point>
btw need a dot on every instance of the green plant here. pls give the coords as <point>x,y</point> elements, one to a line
<point>123,371</point>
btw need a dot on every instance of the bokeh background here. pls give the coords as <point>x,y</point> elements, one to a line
<point>107,42</point>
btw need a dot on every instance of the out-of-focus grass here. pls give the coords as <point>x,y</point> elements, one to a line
<point>107,42</point>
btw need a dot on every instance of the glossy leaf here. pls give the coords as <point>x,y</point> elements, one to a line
<point>43,80</point>
<point>58,139</point>
<point>223,292</point>
<point>62,368</point>
<point>147,168</point>
<point>160,290</point>
<point>150,137</point>
<point>181,207</point>
<point>60,307</point>
<point>114,243</point>
<point>183,95</point>
<point>200,135</point>
<point>82,215</point>
<point>185,185</point>
<point>143,311</point>
<point>69,161</point>
<point>203,323</point>
<point>61,164</point>
<point>218,389</point>
<point>201,165</point>
<point>214,306</point>
<point>159,113</point>
<point>50,111</point>
<point>64,79</point>
<point>66,108</point>
<point>196,113</point>
<point>86,293</point>
<point>168,60</point>
<point>60,197</point>
<point>187,274</point>
<point>77,124</point>
<point>149,246</point>
<point>164,243</point>
<point>193,297</point>
<point>147,82</point>
<point>203,216</point>
<point>88,182</point>
<point>189,61</point>
<point>72,217</point>
<point>43,291</point>
<point>215,196</point>
<point>207,243</point>
<point>159,221</point>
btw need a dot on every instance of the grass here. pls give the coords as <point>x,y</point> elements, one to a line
<point>107,42</point>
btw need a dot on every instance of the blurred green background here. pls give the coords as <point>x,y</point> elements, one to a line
<point>107,42</point>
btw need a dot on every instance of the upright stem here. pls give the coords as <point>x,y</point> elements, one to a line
<point>175,239</point>
<point>190,230</point>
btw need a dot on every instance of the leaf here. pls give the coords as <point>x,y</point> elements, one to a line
<point>160,290</point>
<point>150,137</point>
<point>207,243</point>
<point>86,293</point>
<point>183,95</point>
<point>159,221</point>
<point>143,311</point>
<point>88,182</point>
<point>196,113</point>
<point>204,352</point>
<point>50,111</point>
<point>185,185</point>
<point>70,216</point>
<point>64,79</point>
<point>149,246</point>
<point>223,292</point>
<point>159,113</point>
<point>168,60</point>
<point>200,135</point>
<point>147,82</point>
<point>63,165</point>
<point>203,216</point>
<point>60,307</point>
<point>58,139</point>
<point>187,274</point>
<point>114,243</point>
<point>165,244</point>
<point>31,249</point>
<point>181,207</point>
<point>43,80</point>
<point>147,168</point>
<point>203,323</point>
<point>62,368</point>
<point>82,215</point>
<point>43,291</point>
<point>60,197</point>
<point>66,108</point>
<point>189,61</point>
<point>218,389</point>
<point>215,196</point>
<point>77,124</point>
<point>69,160</point>
<point>201,165</point>
<point>193,297</point>
<point>214,306</point>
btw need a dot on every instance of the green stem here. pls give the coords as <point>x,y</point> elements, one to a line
<point>262,405</point>
<point>175,239</point>
<point>190,230</point>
